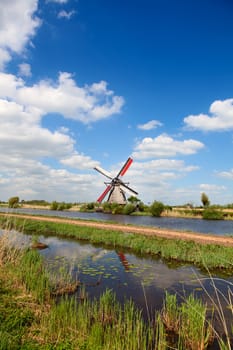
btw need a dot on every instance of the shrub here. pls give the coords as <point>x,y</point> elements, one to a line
<point>54,205</point>
<point>107,207</point>
<point>13,202</point>
<point>90,206</point>
<point>61,206</point>
<point>116,208</point>
<point>156,208</point>
<point>141,206</point>
<point>212,214</point>
<point>128,209</point>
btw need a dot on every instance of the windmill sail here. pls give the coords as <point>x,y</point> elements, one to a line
<point>116,188</point>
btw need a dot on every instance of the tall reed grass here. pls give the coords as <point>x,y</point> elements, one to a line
<point>104,323</point>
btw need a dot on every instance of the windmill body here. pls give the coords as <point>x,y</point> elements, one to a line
<point>116,188</point>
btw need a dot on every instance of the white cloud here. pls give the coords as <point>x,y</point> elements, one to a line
<point>152,124</point>
<point>17,26</point>
<point>161,165</point>
<point>211,188</point>
<point>25,70</point>
<point>65,14</point>
<point>226,174</point>
<point>22,134</point>
<point>220,118</point>
<point>27,147</point>
<point>165,146</point>
<point>86,104</point>
<point>4,57</point>
<point>79,161</point>
<point>73,102</point>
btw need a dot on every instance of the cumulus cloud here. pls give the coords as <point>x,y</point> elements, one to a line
<point>152,124</point>
<point>72,101</point>
<point>79,161</point>
<point>165,146</point>
<point>161,165</point>
<point>85,104</point>
<point>16,14</point>
<point>27,147</point>
<point>220,117</point>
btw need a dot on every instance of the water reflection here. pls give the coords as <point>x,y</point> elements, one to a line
<point>142,279</point>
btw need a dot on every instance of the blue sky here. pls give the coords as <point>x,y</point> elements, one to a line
<point>87,82</point>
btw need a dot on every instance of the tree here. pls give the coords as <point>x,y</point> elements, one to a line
<point>157,208</point>
<point>205,200</point>
<point>54,205</point>
<point>133,199</point>
<point>13,202</point>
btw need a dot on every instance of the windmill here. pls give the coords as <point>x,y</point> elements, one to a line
<point>116,187</point>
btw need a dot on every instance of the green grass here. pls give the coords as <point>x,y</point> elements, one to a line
<point>31,319</point>
<point>201,255</point>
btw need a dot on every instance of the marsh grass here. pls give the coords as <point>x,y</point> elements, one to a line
<point>34,276</point>
<point>97,324</point>
<point>195,332</point>
<point>103,324</point>
<point>179,251</point>
<point>220,302</point>
<point>188,321</point>
<point>161,336</point>
<point>170,312</point>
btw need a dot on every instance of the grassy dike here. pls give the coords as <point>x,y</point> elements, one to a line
<point>207,256</point>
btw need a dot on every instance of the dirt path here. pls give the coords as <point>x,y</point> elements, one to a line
<point>148,231</point>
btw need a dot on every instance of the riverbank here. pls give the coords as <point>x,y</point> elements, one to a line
<point>205,251</point>
<point>142,230</point>
<point>32,318</point>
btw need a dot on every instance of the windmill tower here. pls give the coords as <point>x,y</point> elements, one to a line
<point>116,188</point>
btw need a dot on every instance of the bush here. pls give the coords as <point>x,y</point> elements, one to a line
<point>90,206</point>
<point>128,209</point>
<point>116,208</point>
<point>13,202</point>
<point>157,208</point>
<point>54,205</point>
<point>61,206</point>
<point>212,214</point>
<point>107,207</point>
<point>141,206</point>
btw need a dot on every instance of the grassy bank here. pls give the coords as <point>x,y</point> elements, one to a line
<point>32,319</point>
<point>204,256</point>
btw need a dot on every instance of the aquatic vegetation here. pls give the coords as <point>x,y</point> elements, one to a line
<point>194,330</point>
<point>81,323</point>
<point>213,256</point>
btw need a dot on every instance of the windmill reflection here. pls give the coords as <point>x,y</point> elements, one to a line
<point>123,260</point>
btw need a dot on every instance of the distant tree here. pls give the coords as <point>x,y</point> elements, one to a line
<point>205,200</point>
<point>91,206</point>
<point>54,205</point>
<point>133,199</point>
<point>141,206</point>
<point>13,202</point>
<point>157,208</point>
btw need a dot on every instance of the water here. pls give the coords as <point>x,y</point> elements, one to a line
<point>140,278</point>
<point>218,227</point>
